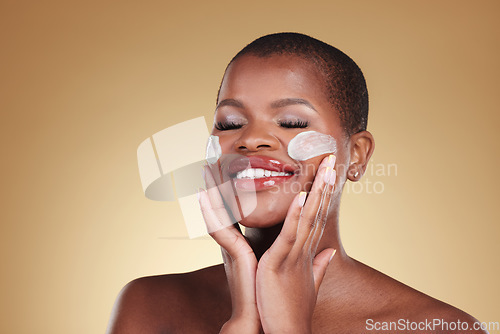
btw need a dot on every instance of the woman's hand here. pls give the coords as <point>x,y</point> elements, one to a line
<point>240,262</point>
<point>290,273</point>
<point>277,294</point>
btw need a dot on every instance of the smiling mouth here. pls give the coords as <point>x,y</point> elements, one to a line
<point>259,173</point>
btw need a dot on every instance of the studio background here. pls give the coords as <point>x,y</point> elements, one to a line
<point>84,82</point>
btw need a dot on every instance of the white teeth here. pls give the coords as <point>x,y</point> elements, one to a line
<point>251,173</point>
<point>258,173</point>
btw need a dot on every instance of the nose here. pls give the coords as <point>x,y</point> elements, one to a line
<point>255,138</point>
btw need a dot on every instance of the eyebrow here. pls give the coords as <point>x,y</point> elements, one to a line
<point>292,101</point>
<point>275,105</point>
<point>230,102</point>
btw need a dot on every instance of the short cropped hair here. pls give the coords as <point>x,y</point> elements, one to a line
<point>345,83</point>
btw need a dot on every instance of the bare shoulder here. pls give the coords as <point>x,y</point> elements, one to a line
<point>427,314</point>
<point>407,309</point>
<point>449,319</point>
<point>165,303</point>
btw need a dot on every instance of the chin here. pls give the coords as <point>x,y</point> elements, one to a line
<point>261,221</point>
<point>258,209</point>
<point>266,213</point>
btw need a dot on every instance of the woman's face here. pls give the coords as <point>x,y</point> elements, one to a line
<point>263,103</point>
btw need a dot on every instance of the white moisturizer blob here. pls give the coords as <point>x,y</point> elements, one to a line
<point>214,151</point>
<point>310,144</point>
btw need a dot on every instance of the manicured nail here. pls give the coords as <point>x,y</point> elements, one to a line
<point>331,160</point>
<point>323,163</point>
<point>328,172</point>
<point>331,256</point>
<point>302,198</point>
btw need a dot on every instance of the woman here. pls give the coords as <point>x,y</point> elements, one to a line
<point>289,273</point>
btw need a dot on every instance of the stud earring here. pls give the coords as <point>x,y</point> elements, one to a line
<point>356,174</point>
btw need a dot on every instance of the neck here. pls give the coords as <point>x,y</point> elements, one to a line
<point>260,239</point>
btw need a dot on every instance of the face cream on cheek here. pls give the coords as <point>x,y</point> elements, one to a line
<point>214,151</point>
<point>310,144</point>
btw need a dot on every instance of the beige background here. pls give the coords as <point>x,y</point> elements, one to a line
<point>84,82</point>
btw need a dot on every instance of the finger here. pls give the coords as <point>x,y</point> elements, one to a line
<point>212,189</point>
<point>322,215</point>
<point>240,262</point>
<point>309,211</point>
<point>226,236</point>
<point>212,221</point>
<point>288,235</point>
<point>216,201</point>
<point>320,264</point>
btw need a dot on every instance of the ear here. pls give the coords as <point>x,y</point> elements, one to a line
<point>362,145</point>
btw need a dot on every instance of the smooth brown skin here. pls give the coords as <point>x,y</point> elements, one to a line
<point>351,292</point>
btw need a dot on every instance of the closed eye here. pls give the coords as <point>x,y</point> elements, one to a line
<point>223,126</point>
<point>294,124</point>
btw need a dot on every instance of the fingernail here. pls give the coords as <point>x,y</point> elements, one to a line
<point>302,198</point>
<point>331,160</point>
<point>328,172</point>
<point>332,178</point>
<point>324,162</point>
<point>331,256</point>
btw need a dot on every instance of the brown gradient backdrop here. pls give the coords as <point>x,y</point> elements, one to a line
<point>83,83</point>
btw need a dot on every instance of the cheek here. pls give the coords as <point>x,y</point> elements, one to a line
<point>342,162</point>
<point>222,142</point>
<point>309,169</point>
<point>225,144</point>
<point>309,144</point>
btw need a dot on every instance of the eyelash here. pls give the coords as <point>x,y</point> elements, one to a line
<point>286,124</point>
<point>227,126</point>
<point>294,124</point>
